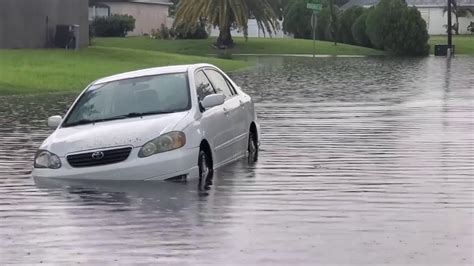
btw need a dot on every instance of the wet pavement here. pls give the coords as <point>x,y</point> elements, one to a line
<point>364,161</point>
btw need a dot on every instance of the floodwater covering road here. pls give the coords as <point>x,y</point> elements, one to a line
<point>364,161</point>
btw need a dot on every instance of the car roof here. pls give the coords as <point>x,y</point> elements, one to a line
<point>151,72</point>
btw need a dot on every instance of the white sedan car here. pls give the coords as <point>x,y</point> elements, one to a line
<point>154,124</point>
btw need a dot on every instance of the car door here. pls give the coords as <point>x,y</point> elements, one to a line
<point>214,121</point>
<point>233,110</point>
<point>242,117</point>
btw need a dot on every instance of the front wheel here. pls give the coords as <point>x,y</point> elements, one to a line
<point>252,147</point>
<point>205,170</point>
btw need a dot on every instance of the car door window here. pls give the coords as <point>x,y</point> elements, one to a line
<point>220,83</point>
<point>234,91</point>
<point>203,86</point>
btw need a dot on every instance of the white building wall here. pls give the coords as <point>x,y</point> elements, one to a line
<point>435,20</point>
<point>147,16</point>
<point>253,31</point>
<point>95,11</point>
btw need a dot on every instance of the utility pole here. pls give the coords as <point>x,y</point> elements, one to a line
<point>450,31</point>
<point>314,20</point>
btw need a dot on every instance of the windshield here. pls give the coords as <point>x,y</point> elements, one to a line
<point>166,93</point>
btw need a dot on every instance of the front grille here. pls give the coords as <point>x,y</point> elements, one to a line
<point>109,157</point>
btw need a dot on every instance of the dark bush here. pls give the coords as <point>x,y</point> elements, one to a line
<point>347,20</point>
<point>163,33</point>
<point>113,26</point>
<point>394,27</point>
<point>197,33</point>
<point>413,39</point>
<point>359,31</point>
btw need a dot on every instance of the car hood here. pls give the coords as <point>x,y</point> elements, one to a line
<point>124,132</point>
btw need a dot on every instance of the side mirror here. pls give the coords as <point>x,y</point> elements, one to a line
<point>54,121</point>
<point>212,100</point>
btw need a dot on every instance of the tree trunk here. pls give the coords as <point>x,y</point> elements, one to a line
<point>225,39</point>
<point>333,22</point>
<point>456,28</point>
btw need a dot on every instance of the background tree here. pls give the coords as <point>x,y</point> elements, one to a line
<point>359,30</point>
<point>333,21</point>
<point>297,19</point>
<point>394,27</point>
<point>348,19</point>
<point>279,7</point>
<point>227,14</point>
<point>459,12</point>
<point>340,3</point>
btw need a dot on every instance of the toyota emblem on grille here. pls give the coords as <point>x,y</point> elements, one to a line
<point>97,155</point>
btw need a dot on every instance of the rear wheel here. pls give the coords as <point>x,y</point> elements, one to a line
<point>205,170</point>
<point>252,147</point>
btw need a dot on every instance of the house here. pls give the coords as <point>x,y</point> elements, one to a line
<point>253,31</point>
<point>431,11</point>
<point>148,14</point>
<point>32,24</point>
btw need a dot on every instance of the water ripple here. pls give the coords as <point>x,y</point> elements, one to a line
<point>364,161</point>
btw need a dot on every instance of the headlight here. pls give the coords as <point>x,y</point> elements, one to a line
<point>166,142</point>
<point>46,159</point>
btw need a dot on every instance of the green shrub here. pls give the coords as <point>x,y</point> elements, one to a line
<point>113,26</point>
<point>163,33</point>
<point>359,31</point>
<point>415,35</point>
<point>347,20</point>
<point>394,27</point>
<point>198,33</point>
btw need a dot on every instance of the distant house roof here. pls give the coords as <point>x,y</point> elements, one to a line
<point>152,2</point>
<point>418,3</point>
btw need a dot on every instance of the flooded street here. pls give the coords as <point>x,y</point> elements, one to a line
<point>363,161</point>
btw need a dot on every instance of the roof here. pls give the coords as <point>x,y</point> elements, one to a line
<point>417,3</point>
<point>151,72</point>
<point>151,2</point>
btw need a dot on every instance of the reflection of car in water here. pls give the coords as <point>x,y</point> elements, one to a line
<point>153,124</point>
<point>144,195</point>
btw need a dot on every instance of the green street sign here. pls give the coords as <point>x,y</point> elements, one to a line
<point>312,6</point>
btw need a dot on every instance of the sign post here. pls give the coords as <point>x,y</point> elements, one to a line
<point>314,20</point>
<point>450,33</point>
<point>316,6</point>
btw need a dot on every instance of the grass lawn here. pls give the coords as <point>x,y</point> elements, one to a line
<point>464,43</point>
<point>252,46</point>
<point>28,71</point>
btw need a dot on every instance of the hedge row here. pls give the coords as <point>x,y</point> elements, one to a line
<point>391,26</point>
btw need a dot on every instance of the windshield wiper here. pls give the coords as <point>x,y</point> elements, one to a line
<point>147,113</point>
<point>80,122</point>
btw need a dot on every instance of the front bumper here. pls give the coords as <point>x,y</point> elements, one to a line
<point>156,167</point>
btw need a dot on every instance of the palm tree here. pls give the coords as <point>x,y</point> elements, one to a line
<point>459,12</point>
<point>227,14</point>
